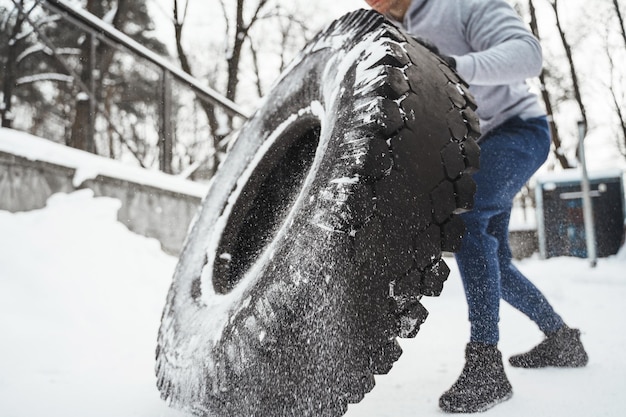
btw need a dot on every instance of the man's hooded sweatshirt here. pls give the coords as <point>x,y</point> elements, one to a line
<point>494,51</point>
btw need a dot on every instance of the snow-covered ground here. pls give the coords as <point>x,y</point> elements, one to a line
<point>81,298</point>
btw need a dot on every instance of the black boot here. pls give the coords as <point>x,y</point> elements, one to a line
<point>482,383</point>
<point>562,348</point>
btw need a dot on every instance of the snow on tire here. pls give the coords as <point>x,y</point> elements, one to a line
<point>322,230</point>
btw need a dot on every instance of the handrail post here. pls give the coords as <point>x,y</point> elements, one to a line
<point>165,134</point>
<point>91,117</point>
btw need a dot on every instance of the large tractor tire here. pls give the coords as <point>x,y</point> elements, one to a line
<point>322,230</point>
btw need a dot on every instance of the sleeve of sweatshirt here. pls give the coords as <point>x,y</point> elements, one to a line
<point>505,51</point>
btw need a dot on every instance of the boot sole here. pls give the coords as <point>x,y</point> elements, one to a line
<point>483,408</point>
<point>581,364</point>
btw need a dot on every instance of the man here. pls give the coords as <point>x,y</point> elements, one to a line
<point>491,48</point>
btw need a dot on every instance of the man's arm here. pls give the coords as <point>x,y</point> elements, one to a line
<point>505,50</point>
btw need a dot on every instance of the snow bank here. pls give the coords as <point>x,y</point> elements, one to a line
<point>89,166</point>
<point>80,301</point>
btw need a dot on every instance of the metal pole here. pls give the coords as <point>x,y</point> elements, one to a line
<point>590,234</point>
<point>91,128</point>
<point>166,133</point>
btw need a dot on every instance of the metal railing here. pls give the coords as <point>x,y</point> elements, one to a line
<point>104,32</point>
<point>90,23</point>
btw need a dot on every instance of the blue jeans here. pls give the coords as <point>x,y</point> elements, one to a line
<point>510,154</point>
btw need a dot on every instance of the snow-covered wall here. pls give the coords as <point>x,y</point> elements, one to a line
<point>154,204</point>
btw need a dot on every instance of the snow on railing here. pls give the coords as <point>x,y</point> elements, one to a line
<point>102,31</point>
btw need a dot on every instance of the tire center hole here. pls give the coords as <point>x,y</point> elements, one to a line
<point>263,204</point>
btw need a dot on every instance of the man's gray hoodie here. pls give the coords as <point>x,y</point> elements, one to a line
<point>494,52</point>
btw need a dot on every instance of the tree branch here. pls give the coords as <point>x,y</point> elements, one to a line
<point>570,59</point>
<point>545,94</point>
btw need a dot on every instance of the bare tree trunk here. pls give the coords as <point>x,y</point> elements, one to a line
<point>568,53</point>
<point>82,133</point>
<point>9,79</point>
<point>241,34</point>
<point>179,24</point>
<point>620,20</point>
<point>622,119</point>
<point>618,106</point>
<point>235,53</point>
<point>10,69</point>
<point>616,103</point>
<point>556,139</point>
<point>82,127</point>
<point>257,70</point>
<point>208,108</point>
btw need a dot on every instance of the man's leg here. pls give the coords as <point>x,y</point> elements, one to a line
<point>510,154</point>
<point>480,272</point>
<point>516,289</point>
<point>562,346</point>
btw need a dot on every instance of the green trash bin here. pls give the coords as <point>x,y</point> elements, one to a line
<point>560,222</point>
